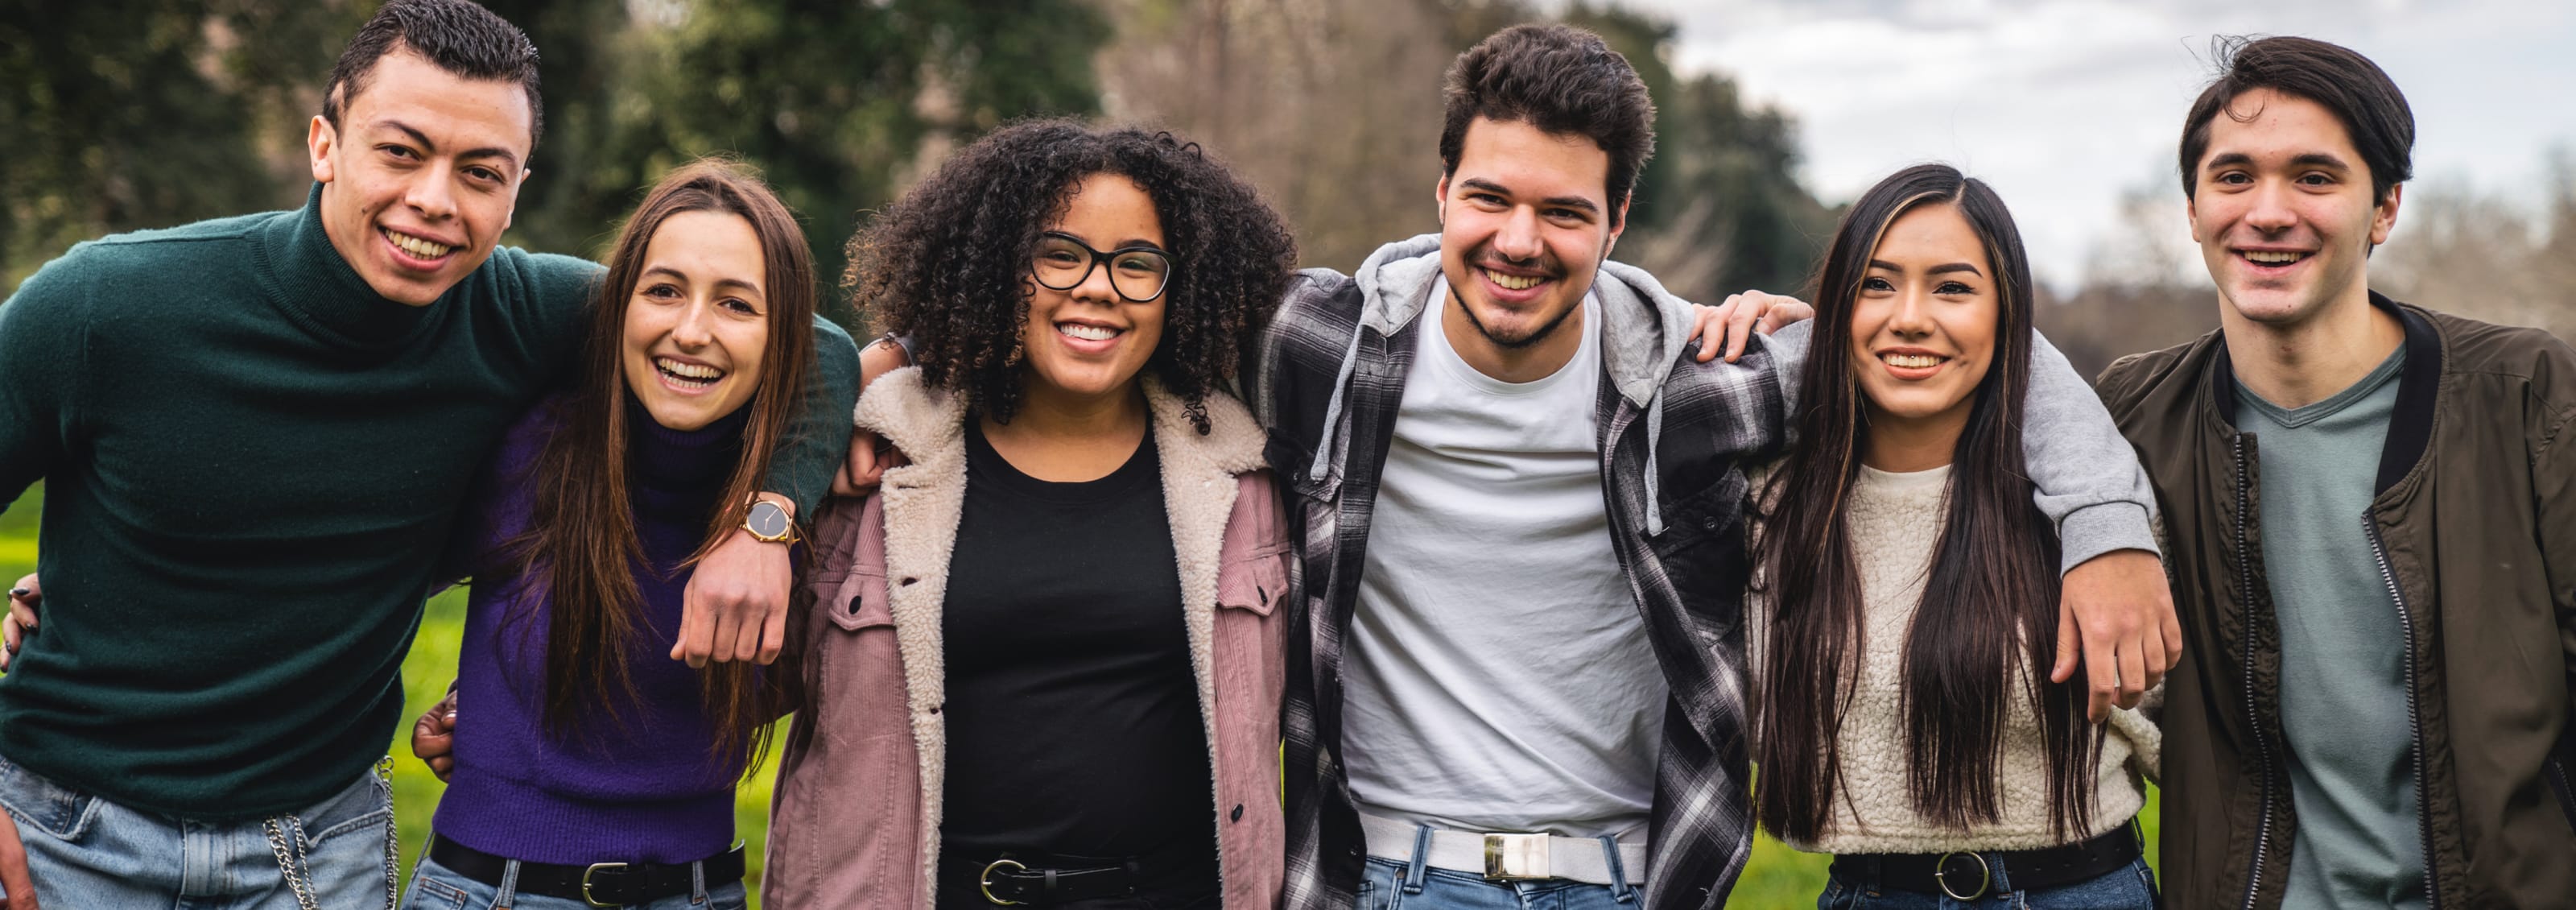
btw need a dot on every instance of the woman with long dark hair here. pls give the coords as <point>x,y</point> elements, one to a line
<point>1906,601</point>
<point>1044,666</point>
<point>598,771</point>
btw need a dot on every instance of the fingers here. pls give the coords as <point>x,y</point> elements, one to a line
<point>27,589</point>
<point>1739,328</point>
<point>2152,646</point>
<point>1709,326</point>
<point>745,643</point>
<point>21,619</point>
<point>433,737</point>
<point>2102,674</point>
<point>2070,643</point>
<point>859,468</point>
<point>1785,311</point>
<point>13,868</point>
<point>10,637</point>
<point>697,627</point>
<point>773,635</point>
<point>2171,627</point>
<point>2133,671</point>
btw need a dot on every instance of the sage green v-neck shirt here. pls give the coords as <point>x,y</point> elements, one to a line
<point>2343,648</point>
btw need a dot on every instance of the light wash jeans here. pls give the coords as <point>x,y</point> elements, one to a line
<point>1395,885</point>
<point>87,853</point>
<point>2131,887</point>
<point>436,887</point>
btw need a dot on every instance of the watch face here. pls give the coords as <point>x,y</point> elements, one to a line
<point>768,520</point>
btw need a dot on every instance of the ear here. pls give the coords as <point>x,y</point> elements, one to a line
<point>1440,196</point>
<point>506,217</point>
<point>1619,223</point>
<point>319,140</point>
<point>2383,217</point>
<point>2191,216</point>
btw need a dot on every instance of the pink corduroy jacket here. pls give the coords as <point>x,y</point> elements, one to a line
<point>854,821</point>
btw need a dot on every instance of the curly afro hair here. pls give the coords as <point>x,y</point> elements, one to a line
<point>948,265</point>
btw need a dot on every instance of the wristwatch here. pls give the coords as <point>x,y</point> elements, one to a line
<point>768,522</point>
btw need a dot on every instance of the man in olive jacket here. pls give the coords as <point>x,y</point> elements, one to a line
<point>2379,598</point>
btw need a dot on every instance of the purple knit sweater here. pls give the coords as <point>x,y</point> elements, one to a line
<point>644,792</point>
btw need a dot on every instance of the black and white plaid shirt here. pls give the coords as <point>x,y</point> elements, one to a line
<point>1678,537</point>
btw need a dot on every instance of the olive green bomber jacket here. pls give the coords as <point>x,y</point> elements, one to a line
<point>2475,524</point>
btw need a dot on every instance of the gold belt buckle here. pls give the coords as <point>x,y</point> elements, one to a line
<point>984,880</point>
<point>1516,857</point>
<point>585,884</point>
<point>1941,876</point>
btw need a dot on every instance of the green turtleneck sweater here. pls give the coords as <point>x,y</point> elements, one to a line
<point>251,463</point>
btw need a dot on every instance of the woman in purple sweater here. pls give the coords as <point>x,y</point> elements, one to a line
<point>598,771</point>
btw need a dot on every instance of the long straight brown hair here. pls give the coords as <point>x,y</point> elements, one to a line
<point>582,544</point>
<point>1988,619</point>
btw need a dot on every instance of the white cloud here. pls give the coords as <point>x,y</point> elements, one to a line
<point>2062,104</point>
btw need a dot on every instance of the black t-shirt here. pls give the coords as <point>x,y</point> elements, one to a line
<point>1073,715</point>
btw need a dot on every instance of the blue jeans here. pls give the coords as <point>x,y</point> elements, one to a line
<point>88,853</point>
<point>1390,885</point>
<point>2130,887</point>
<point>435,887</point>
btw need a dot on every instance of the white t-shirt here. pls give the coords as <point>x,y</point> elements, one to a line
<point>1498,674</point>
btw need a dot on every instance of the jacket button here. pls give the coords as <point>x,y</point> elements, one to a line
<point>1705,524</point>
<point>934,709</point>
<point>1237,815</point>
<point>1264,592</point>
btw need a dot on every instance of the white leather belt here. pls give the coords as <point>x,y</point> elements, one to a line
<point>1505,857</point>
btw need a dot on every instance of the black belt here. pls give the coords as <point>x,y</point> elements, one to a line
<point>1968,875</point>
<point>1017,878</point>
<point>597,884</point>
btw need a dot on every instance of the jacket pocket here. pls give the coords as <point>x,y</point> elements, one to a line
<point>860,603</point>
<point>1256,583</point>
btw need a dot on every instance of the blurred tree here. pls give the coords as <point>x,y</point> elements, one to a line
<point>144,114</point>
<point>1720,208</point>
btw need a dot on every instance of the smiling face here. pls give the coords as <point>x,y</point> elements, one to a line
<point>697,320</point>
<point>1923,324</point>
<point>419,177</point>
<point>1087,342</point>
<point>1525,221</point>
<point>2283,211</point>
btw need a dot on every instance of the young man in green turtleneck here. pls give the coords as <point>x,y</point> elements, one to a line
<point>254,434</point>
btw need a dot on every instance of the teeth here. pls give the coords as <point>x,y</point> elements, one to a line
<point>1087,332</point>
<point>1515,282</point>
<point>2273,258</point>
<point>689,374</point>
<point>416,246</point>
<point>1915,361</point>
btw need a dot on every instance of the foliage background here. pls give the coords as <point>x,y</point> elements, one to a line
<point>149,113</point>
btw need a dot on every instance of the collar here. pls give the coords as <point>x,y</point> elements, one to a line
<point>318,289</point>
<point>2410,424</point>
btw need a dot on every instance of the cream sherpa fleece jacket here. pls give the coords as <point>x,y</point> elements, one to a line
<point>1893,522</point>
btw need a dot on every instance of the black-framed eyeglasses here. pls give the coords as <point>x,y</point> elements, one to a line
<point>1137,273</point>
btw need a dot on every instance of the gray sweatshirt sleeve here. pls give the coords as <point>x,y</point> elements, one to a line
<point>2086,478</point>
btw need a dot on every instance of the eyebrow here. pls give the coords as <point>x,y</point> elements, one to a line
<point>720,282</point>
<point>2309,159</point>
<point>422,139</point>
<point>1570,202</point>
<point>1943,269</point>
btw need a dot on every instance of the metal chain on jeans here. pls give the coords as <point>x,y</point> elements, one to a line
<point>299,881</point>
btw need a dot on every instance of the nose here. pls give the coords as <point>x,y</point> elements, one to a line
<point>1912,317</point>
<point>1517,239</point>
<point>1097,286</point>
<point>2270,209</point>
<point>694,329</point>
<point>432,191</point>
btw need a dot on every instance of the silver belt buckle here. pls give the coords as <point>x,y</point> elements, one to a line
<point>1516,857</point>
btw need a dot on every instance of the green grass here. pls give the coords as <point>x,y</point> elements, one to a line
<point>1776,877</point>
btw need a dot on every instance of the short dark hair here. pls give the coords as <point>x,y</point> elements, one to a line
<point>457,35</point>
<point>2361,95</point>
<point>948,264</point>
<point>1562,80</point>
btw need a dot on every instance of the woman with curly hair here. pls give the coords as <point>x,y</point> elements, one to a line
<point>1046,649</point>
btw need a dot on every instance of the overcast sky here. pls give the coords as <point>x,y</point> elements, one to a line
<point>2062,104</point>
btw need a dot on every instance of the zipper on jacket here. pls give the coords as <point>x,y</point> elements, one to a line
<point>2262,749</point>
<point>2566,796</point>
<point>2414,724</point>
